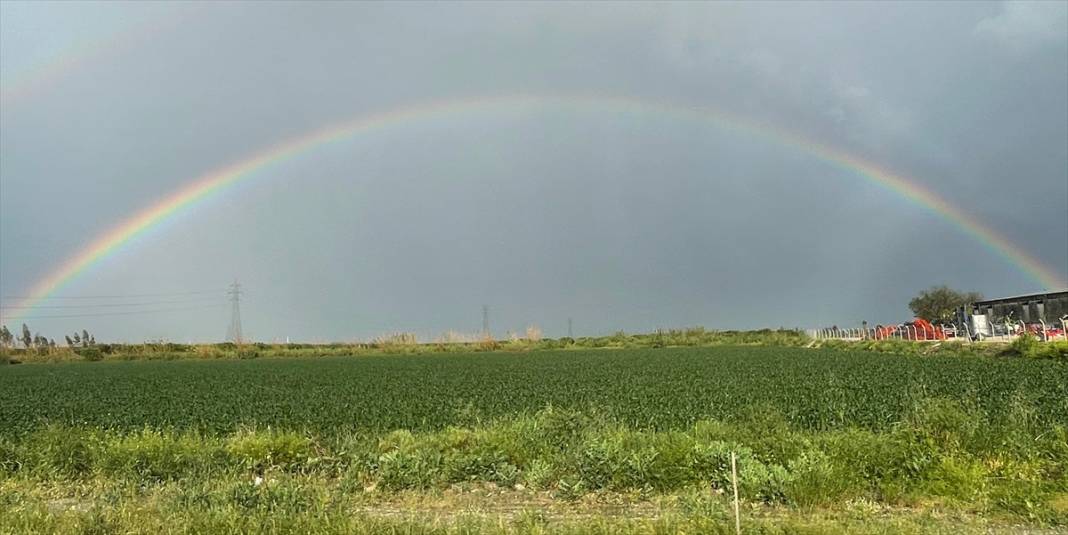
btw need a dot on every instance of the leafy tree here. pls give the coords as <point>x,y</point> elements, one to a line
<point>5,336</point>
<point>939,303</point>
<point>26,339</point>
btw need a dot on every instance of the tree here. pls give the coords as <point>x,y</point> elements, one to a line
<point>5,336</point>
<point>939,303</point>
<point>26,339</point>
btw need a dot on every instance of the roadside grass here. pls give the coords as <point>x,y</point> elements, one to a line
<point>1024,347</point>
<point>942,453</point>
<point>162,511</point>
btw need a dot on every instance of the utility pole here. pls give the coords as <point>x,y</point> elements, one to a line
<point>485,321</point>
<point>570,333</point>
<point>233,334</point>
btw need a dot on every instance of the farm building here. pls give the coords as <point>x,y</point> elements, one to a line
<point>1048,307</point>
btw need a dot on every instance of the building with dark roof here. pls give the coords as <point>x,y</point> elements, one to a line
<point>1049,307</point>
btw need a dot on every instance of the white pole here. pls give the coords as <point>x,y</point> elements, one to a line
<point>734,483</point>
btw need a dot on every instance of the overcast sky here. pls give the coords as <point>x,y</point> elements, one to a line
<point>617,220</point>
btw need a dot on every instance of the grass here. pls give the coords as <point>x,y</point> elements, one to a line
<point>452,342</point>
<point>1023,347</point>
<point>168,510</point>
<point>942,456</point>
<point>406,344</point>
<point>829,440</point>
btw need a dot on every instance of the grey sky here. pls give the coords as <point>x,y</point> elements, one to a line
<point>619,221</point>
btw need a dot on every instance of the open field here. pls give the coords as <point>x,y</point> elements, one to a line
<point>644,389</point>
<point>593,441</point>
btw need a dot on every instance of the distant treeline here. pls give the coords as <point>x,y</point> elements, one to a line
<point>406,344</point>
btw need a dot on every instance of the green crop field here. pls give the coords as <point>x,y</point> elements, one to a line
<point>826,440</point>
<point>644,389</point>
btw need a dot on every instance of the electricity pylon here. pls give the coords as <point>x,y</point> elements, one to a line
<point>234,334</point>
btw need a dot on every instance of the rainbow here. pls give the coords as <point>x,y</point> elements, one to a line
<point>217,181</point>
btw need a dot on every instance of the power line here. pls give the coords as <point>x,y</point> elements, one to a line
<point>95,305</point>
<point>126,313</point>
<point>127,296</point>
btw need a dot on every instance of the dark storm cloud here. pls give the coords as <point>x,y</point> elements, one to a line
<point>621,222</point>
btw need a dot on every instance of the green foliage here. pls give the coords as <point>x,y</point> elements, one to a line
<point>406,344</point>
<point>248,353</point>
<point>90,354</point>
<point>941,449</point>
<point>1028,346</point>
<point>283,495</point>
<point>809,427</point>
<point>260,451</point>
<point>938,303</point>
<point>656,389</point>
<point>57,451</point>
<point>150,456</point>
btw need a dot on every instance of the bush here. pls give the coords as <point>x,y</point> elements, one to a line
<point>262,450</point>
<point>152,456</point>
<point>284,495</point>
<point>63,451</point>
<point>248,353</point>
<point>1024,345</point>
<point>90,354</point>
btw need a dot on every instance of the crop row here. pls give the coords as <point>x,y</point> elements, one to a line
<point>644,389</point>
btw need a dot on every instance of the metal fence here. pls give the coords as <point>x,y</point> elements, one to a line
<point>999,332</point>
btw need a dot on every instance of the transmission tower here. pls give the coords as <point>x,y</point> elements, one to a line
<point>485,320</point>
<point>233,334</point>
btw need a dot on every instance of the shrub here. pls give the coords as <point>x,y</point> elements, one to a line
<point>64,451</point>
<point>157,456</point>
<point>262,450</point>
<point>815,480</point>
<point>90,354</point>
<point>1024,345</point>
<point>270,495</point>
<point>248,353</point>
